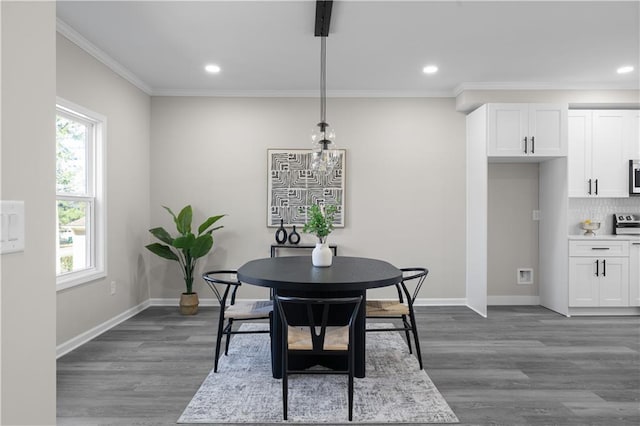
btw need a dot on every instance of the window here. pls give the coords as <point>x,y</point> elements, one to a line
<point>80,203</point>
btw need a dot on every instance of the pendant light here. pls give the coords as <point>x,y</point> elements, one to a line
<point>325,155</point>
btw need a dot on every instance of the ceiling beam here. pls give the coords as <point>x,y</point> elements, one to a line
<point>323,18</point>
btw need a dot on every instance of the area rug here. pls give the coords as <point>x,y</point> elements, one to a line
<point>244,392</point>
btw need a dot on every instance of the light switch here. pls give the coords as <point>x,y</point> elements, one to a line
<point>14,227</point>
<point>12,213</point>
<point>4,231</point>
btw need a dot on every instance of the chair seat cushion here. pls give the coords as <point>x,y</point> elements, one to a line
<point>386,308</point>
<point>245,310</point>
<point>335,338</point>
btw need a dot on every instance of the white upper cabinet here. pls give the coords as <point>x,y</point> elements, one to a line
<point>527,130</point>
<point>635,135</point>
<point>601,142</point>
<point>579,157</point>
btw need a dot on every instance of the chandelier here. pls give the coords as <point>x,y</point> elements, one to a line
<point>325,155</point>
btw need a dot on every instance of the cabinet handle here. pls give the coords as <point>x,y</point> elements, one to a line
<point>600,248</point>
<point>635,244</point>
<point>525,144</point>
<point>597,267</point>
<point>596,186</point>
<point>604,268</point>
<point>533,144</point>
<point>589,187</point>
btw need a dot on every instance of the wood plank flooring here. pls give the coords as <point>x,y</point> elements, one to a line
<point>520,366</point>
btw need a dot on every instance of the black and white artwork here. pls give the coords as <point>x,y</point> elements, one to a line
<point>294,187</point>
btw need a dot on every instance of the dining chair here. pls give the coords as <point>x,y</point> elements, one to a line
<point>306,330</point>
<point>402,308</point>
<point>224,283</point>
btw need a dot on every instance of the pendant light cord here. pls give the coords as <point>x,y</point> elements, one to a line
<point>323,79</point>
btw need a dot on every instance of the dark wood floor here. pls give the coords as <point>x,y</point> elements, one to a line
<point>522,365</point>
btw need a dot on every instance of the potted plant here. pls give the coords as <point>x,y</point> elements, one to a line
<point>185,249</point>
<point>320,223</point>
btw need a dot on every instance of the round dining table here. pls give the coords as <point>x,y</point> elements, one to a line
<point>296,276</point>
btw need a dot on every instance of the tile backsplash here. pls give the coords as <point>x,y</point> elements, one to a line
<point>599,210</point>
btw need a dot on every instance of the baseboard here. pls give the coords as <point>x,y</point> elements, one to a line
<point>513,300</point>
<point>81,339</point>
<point>608,311</point>
<point>71,344</point>
<point>214,302</point>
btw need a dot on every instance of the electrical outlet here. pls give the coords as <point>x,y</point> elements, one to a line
<point>536,215</point>
<point>113,288</point>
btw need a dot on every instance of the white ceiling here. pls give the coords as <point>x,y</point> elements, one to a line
<point>374,47</point>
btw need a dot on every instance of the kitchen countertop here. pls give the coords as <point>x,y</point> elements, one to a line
<point>606,237</point>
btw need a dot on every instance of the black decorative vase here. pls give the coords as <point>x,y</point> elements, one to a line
<point>294,237</point>
<point>281,233</point>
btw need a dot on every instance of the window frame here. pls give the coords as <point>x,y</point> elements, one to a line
<point>95,197</point>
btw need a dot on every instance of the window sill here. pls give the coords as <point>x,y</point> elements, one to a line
<point>75,279</point>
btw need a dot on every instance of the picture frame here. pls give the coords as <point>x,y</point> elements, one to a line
<point>293,187</point>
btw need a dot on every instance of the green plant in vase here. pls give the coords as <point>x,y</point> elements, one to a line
<point>320,223</point>
<point>186,248</point>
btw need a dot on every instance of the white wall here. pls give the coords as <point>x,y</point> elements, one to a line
<point>27,291</point>
<point>405,179</point>
<point>85,81</point>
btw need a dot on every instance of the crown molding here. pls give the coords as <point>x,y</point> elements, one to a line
<point>67,31</point>
<point>541,86</point>
<point>303,93</point>
<point>75,37</point>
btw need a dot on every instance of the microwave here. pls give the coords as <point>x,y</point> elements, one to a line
<point>634,177</point>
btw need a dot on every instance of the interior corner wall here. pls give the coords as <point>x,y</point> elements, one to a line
<point>87,82</point>
<point>405,180</point>
<point>27,291</point>
<point>512,232</point>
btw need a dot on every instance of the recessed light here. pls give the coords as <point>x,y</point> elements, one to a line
<point>430,69</point>
<point>625,70</point>
<point>212,68</point>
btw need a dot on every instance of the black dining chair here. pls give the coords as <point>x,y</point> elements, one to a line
<point>224,283</point>
<point>402,308</point>
<point>306,330</point>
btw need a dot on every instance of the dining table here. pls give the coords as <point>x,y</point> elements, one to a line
<point>296,276</point>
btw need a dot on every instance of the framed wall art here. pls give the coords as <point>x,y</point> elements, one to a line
<point>293,187</point>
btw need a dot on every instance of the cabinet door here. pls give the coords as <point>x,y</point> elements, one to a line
<point>614,281</point>
<point>548,130</point>
<point>508,126</point>
<point>610,166</point>
<point>579,154</point>
<point>583,282</point>
<point>634,152</point>
<point>634,274</point>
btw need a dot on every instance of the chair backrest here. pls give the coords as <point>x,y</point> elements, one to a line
<point>221,283</point>
<point>410,274</point>
<point>313,313</point>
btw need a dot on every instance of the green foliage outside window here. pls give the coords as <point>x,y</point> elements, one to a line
<point>68,170</point>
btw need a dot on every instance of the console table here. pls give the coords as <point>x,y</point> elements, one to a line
<point>274,247</point>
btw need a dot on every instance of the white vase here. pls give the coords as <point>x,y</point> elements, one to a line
<point>321,256</point>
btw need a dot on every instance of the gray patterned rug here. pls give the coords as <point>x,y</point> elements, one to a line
<point>243,391</point>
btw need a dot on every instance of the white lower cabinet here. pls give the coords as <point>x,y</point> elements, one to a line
<point>599,274</point>
<point>634,274</point>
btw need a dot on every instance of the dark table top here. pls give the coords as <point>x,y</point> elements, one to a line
<point>297,273</point>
